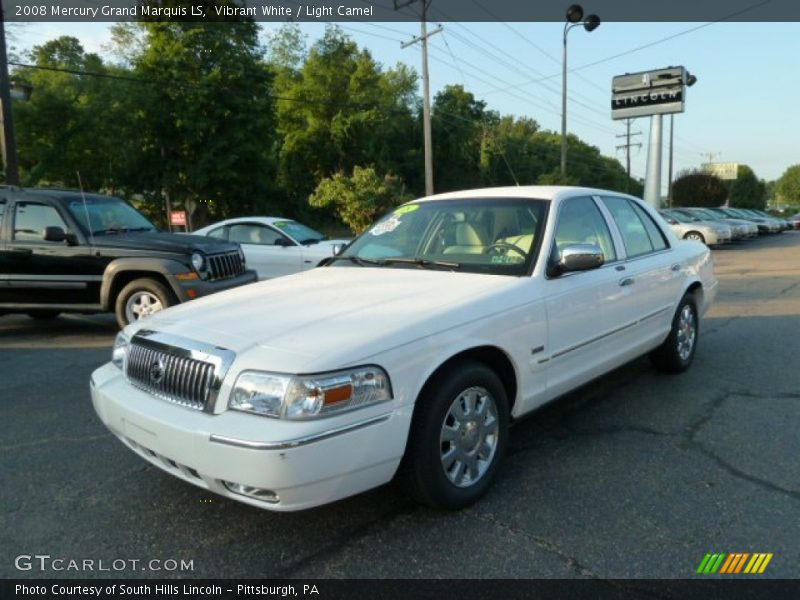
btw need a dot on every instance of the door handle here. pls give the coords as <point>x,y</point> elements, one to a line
<point>626,281</point>
<point>676,267</point>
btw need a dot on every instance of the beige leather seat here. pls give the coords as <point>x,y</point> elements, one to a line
<point>469,240</point>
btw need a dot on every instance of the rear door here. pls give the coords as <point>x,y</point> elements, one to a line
<point>651,280</point>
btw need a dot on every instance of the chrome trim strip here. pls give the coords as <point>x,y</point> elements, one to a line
<point>610,333</point>
<point>221,439</point>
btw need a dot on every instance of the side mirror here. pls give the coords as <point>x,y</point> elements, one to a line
<point>282,241</point>
<point>577,257</point>
<point>338,248</point>
<point>54,234</point>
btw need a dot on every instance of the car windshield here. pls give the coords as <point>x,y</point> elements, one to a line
<point>299,232</point>
<point>108,215</point>
<point>480,235</point>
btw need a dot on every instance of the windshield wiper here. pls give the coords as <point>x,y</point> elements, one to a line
<point>362,262</point>
<point>425,263</point>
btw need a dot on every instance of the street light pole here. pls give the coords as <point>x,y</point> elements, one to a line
<point>7,139</point>
<point>574,17</point>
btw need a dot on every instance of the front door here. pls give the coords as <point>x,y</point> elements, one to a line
<point>44,272</point>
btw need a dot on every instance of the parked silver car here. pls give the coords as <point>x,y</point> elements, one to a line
<point>742,228</point>
<point>688,228</point>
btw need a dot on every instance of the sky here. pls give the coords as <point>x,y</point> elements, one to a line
<point>743,108</point>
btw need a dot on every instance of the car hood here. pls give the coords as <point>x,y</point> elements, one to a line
<point>333,316</point>
<point>158,241</point>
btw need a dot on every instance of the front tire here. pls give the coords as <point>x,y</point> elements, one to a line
<point>458,437</point>
<point>675,355</point>
<point>141,298</point>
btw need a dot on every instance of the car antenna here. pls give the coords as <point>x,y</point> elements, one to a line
<point>85,209</point>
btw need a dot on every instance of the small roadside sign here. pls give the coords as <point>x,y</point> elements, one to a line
<point>177,217</point>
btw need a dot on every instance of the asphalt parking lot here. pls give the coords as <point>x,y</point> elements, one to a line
<point>635,475</point>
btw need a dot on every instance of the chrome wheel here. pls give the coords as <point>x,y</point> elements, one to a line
<point>687,332</point>
<point>469,437</point>
<point>697,237</point>
<point>141,304</point>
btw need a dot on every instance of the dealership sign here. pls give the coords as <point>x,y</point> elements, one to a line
<point>729,170</point>
<point>657,92</point>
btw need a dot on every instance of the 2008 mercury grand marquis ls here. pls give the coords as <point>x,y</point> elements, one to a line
<point>409,353</point>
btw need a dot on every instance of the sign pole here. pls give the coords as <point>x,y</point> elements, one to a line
<point>652,179</point>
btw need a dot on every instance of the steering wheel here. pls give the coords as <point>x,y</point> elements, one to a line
<point>497,246</point>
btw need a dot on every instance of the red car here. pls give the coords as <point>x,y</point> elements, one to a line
<point>796,220</point>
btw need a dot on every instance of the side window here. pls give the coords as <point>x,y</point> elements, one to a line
<point>218,233</point>
<point>657,238</point>
<point>246,233</point>
<point>31,218</point>
<point>634,233</point>
<point>581,222</point>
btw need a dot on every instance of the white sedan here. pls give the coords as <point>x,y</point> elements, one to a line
<point>409,354</point>
<point>274,246</point>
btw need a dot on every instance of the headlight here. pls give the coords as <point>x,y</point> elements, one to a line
<point>241,256</point>
<point>198,262</point>
<point>309,396</point>
<point>120,350</point>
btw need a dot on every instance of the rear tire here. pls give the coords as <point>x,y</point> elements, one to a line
<point>458,437</point>
<point>141,298</point>
<point>675,355</point>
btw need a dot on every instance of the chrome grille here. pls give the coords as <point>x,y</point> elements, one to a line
<point>225,266</point>
<point>176,369</point>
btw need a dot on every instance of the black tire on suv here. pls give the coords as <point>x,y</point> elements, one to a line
<point>140,298</point>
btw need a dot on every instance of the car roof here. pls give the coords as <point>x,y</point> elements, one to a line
<point>56,193</point>
<point>538,192</point>
<point>265,220</point>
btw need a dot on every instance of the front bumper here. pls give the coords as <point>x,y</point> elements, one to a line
<point>188,290</point>
<point>305,464</point>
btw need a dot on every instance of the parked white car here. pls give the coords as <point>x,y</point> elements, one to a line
<point>410,353</point>
<point>274,246</point>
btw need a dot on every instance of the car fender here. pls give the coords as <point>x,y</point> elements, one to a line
<point>165,267</point>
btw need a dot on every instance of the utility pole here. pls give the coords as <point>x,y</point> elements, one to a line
<point>710,156</point>
<point>7,139</point>
<point>627,145</point>
<point>426,97</point>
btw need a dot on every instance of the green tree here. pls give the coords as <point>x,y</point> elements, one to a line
<point>747,191</point>
<point>361,198</point>
<point>73,122</point>
<point>460,135</point>
<point>205,125</point>
<point>697,188</point>
<point>787,189</point>
<point>341,109</point>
